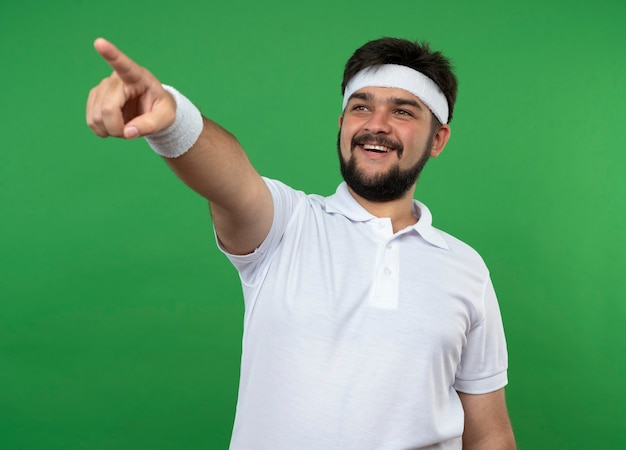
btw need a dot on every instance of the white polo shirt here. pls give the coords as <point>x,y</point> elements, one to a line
<point>358,338</point>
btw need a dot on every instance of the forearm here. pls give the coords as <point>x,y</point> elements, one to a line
<point>216,166</point>
<point>204,155</point>
<point>131,103</point>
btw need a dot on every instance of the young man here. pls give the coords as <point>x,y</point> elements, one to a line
<point>365,327</point>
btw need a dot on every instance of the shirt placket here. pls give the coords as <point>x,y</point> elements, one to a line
<point>384,292</point>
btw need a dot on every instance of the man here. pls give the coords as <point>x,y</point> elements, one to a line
<point>364,327</point>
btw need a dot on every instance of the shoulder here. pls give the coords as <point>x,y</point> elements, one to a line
<point>451,247</point>
<point>461,248</point>
<point>282,190</point>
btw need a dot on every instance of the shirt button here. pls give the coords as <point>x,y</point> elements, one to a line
<point>389,246</point>
<point>387,271</point>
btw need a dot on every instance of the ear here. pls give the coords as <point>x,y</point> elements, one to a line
<point>440,139</point>
<point>340,120</point>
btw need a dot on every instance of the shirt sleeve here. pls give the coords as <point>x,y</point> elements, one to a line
<point>484,361</point>
<point>251,266</point>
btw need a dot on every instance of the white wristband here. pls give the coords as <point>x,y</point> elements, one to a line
<point>179,137</point>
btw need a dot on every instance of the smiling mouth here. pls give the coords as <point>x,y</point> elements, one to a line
<point>376,148</point>
<point>377,144</point>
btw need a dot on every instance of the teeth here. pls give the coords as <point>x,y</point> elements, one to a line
<point>378,148</point>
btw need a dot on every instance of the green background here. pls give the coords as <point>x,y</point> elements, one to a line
<point>120,323</point>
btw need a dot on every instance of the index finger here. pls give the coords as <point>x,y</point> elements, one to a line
<point>127,69</point>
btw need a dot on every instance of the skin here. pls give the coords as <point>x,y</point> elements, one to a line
<point>399,116</point>
<point>131,103</point>
<point>487,424</point>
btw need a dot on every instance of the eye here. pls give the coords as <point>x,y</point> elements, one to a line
<point>359,107</point>
<point>404,112</point>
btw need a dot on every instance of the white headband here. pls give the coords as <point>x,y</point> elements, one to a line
<point>402,77</point>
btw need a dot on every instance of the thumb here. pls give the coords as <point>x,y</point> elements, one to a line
<point>158,118</point>
<point>131,131</point>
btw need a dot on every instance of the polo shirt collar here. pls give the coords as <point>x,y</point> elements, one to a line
<point>342,202</point>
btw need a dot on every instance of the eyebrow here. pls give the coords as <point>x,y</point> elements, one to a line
<point>397,101</point>
<point>362,96</point>
<point>405,101</point>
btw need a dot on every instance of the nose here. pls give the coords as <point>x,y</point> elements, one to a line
<point>378,123</point>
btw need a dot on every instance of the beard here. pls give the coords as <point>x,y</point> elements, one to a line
<point>382,187</point>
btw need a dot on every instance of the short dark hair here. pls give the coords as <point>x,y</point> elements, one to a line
<point>403,52</point>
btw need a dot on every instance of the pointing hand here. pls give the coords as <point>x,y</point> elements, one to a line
<point>130,102</point>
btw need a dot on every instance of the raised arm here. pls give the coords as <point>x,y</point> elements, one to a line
<point>132,103</point>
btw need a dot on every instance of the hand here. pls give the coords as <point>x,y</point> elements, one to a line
<point>129,103</point>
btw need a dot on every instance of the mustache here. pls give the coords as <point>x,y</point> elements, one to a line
<point>368,138</point>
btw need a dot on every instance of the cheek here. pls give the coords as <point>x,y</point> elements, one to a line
<point>344,140</point>
<point>418,143</point>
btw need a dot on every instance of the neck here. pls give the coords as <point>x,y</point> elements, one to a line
<point>400,211</point>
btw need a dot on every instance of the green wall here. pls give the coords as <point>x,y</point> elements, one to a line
<point>120,322</point>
